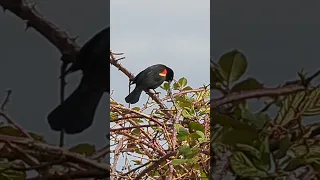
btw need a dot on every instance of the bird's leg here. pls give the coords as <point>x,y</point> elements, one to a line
<point>157,93</point>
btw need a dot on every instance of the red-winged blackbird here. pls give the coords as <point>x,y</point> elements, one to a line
<point>150,78</point>
<point>76,113</point>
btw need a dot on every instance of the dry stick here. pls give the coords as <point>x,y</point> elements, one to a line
<point>6,99</point>
<point>132,127</point>
<point>117,151</point>
<point>37,167</point>
<point>182,93</point>
<point>59,38</point>
<point>54,150</point>
<point>143,142</point>
<point>9,120</point>
<point>134,169</point>
<point>75,175</point>
<point>30,160</point>
<point>62,87</point>
<point>265,92</point>
<point>125,118</point>
<point>138,113</point>
<point>114,62</point>
<point>50,31</point>
<point>155,164</point>
<point>101,152</point>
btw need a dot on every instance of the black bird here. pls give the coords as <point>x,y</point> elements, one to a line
<point>76,113</point>
<point>150,78</point>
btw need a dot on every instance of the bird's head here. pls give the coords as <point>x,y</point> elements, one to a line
<point>168,73</point>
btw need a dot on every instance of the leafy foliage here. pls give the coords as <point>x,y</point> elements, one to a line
<point>151,134</point>
<point>261,146</point>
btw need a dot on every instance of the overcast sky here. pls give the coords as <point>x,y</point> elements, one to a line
<point>30,66</point>
<point>278,39</point>
<point>174,33</point>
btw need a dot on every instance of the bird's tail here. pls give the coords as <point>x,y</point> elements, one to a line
<point>76,113</point>
<point>134,96</point>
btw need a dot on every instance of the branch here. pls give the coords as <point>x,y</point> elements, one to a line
<point>155,164</point>
<point>136,112</point>
<point>75,175</point>
<point>266,92</point>
<point>6,99</point>
<point>56,151</point>
<point>59,38</point>
<point>289,88</point>
<point>8,119</point>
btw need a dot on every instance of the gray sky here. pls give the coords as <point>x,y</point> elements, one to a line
<point>278,40</point>
<point>278,37</point>
<point>30,66</point>
<point>174,33</point>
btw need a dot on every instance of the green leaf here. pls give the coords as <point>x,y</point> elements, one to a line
<point>188,152</point>
<point>166,86</point>
<point>84,148</point>
<point>184,161</point>
<point>113,116</point>
<point>316,166</point>
<point>283,147</point>
<point>246,85</point>
<point>136,108</point>
<point>187,88</point>
<point>179,161</point>
<point>242,166</point>
<point>183,102</point>
<point>264,162</point>
<point>233,64</point>
<point>37,137</point>
<point>196,126</point>
<point>203,175</point>
<point>201,134</point>
<point>182,133</point>
<point>224,120</point>
<point>182,82</point>
<point>137,162</point>
<point>8,174</point>
<point>8,130</point>
<point>176,86</point>
<point>137,120</point>
<point>312,156</point>
<point>306,102</point>
<point>135,131</point>
<point>217,76</point>
<point>294,164</point>
<point>258,119</point>
<point>248,149</point>
<point>186,114</point>
<point>240,136</point>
